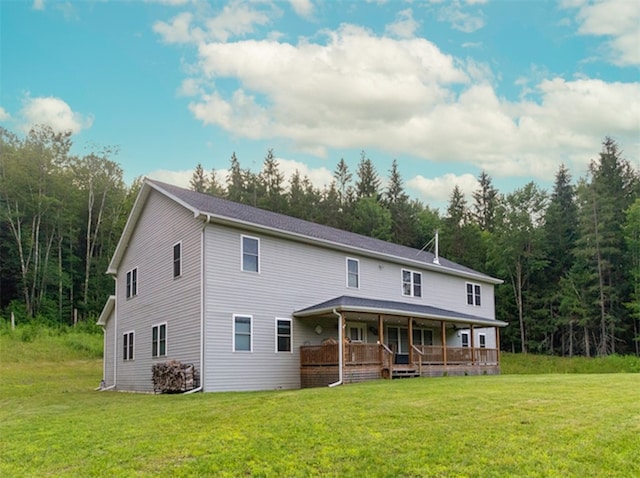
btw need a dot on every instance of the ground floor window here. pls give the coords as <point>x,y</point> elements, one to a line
<point>482,338</point>
<point>464,336</point>
<point>283,335</point>
<point>159,340</point>
<point>242,333</point>
<point>355,332</point>
<point>127,349</point>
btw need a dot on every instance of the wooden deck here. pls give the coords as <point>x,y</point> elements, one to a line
<point>361,362</point>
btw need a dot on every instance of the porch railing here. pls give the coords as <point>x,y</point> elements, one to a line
<point>434,354</point>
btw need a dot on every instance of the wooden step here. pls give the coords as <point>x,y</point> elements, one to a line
<point>404,373</point>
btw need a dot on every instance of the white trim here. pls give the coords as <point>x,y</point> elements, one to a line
<point>257,239</point>
<point>475,298</point>
<point>290,351</point>
<point>173,260</point>
<point>166,340</point>
<point>412,283</point>
<point>357,326</point>
<point>357,261</point>
<point>130,346</point>
<point>233,333</point>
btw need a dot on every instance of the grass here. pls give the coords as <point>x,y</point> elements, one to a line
<point>52,423</point>
<point>542,364</point>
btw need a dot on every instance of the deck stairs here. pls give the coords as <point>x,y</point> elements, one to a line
<point>406,371</point>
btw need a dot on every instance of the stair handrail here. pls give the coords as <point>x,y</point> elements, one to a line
<point>420,361</point>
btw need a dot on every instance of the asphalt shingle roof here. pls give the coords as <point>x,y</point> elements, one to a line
<point>207,204</point>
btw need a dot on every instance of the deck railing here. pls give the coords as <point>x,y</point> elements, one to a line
<point>370,354</point>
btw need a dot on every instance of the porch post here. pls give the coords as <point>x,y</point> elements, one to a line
<point>473,347</point>
<point>410,338</point>
<point>443,337</point>
<point>381,339</point>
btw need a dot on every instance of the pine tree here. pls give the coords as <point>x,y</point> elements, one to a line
<point>215,187</point>
<point>485,203</point>
<point>272,185</point>
<point>368,182</point>
<point>199,182</point>
<point>236,185</point>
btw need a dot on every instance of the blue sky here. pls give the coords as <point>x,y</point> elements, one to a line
<point>448,88</point>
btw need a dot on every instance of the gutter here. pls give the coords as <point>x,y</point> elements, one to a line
<point>340,349</point>
<point>201,387</point>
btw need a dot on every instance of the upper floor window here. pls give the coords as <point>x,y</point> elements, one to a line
<point>473,294</point>
<point>177,259</point>
<point>159,340</point>
<point>242,333</point>
<point>283,335</point>
<point>127,346</point>
<point>411,283</point>
<point>132,283</point>
<point>250,254</point>
<point>353,273</point>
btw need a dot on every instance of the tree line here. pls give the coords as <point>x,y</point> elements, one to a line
<point>570,257</point>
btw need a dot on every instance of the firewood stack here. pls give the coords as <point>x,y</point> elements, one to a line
<point>174,377</point>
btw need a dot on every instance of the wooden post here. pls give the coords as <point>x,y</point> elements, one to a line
<point>381,339</point>
<point>473,347</point>
<point>498,344</point>
<point>13,321</point>
<point>443,340</point>
<point>410,340</point>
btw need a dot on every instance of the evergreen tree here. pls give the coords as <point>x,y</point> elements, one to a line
<point>368,182</point>
<point>343,186</point>
<point>236,185</point>
<point>199,182</point>
<point>631,231</point>
<point>485,203</point>
<point>403,213</point>
<point>271,185</point>
<point>215,187</point>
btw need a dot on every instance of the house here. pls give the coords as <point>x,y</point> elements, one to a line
<point>257,300</point>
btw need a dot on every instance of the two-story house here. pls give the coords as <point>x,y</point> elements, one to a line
<point>257,300</point>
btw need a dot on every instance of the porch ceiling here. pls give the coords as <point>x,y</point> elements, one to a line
<point>347,303</point>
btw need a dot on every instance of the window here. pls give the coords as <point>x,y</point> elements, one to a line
<point>473,294</point>
<point>465,339</point>
<point>355,332</point>
<point>132,283</point>
<point>242,333</point>
<point>283,335</point>
<point>159,340</point>
<point>422,337</point>
<point>411,283</point>
<point>482,338</point>
<point>177,260</point>
<point>127,346</point>
<point>353,273</point>
<point>250,254</point>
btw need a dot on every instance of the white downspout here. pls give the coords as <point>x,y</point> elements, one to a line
<point>436,258</point>
<point>201,387</point>
<point>340,349</point>
<point>115,337</point>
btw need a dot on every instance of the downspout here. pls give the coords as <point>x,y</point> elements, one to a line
<point>201,387</point>
<point>115,337</point>
<point>340,349</point>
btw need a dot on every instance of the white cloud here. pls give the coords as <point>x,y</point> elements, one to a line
<point>460,19</point>
<point>53,112</point>
<point>439,189</point>
<point>38,5</point>
<point>616,19</point>
<point>304,8</point>
<point>177,178</point>
<point>319,177</point>
<point>4,115</point>
<point>404,27</point>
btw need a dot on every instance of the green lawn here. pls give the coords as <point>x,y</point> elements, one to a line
<point>54,424</point>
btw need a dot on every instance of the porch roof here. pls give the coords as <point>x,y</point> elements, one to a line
<point>347,303</point>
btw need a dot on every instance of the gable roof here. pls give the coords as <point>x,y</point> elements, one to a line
<point>347,303</point>
<point>107,310</point>
<point>217,210</point>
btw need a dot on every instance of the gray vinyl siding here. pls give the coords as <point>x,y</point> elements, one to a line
<point>294,275</point>
<point>109,350</point>
<point>161,298</point>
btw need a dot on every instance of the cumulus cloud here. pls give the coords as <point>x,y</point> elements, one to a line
<point>4,116</point>
<point>439,189</point>
<point>616,19</point>
<point>53,112</point>
<point>304,8</point>
<point>460,18</point>
<point>405,26</point>
<point>38,5</point>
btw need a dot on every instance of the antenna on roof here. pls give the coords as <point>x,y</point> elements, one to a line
<point>436,258</point>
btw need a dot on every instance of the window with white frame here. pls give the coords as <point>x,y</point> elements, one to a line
<point>132,283</point>
<point>473,294</point>
<point>250,254</point>
<point>242,329</point>
<point>482,339</point>
<point>411,283</point>
<point>159,340</point>
<point>177,259</point>
<point>353,273</point>
<point>464,337</point>
<point>283,335</point>
<point>127,346</point>
<point>355,332</point>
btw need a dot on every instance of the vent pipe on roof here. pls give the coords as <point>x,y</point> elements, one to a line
<point>436,258</point>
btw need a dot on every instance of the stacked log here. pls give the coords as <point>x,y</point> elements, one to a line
<point>173,377</point>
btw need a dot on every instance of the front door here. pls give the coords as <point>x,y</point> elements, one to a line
<point>398,341</point>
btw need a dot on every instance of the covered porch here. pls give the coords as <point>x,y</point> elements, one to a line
<point>384,339</point>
